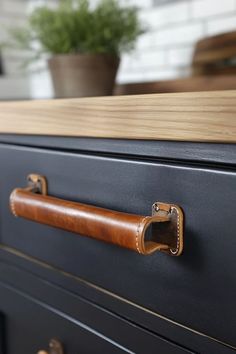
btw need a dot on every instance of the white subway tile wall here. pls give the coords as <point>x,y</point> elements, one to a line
<point>220,25</point>
<point>14,7</point>
<point>174,27</point>
<point>208,8</point>
<point>163,52</point>
<point>18,83</point>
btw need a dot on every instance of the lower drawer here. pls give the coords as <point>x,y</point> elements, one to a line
<point>33,317</point>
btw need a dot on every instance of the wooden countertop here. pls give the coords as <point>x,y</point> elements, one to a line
<point>205,116</point>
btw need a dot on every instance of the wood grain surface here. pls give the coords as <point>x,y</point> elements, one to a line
<point>214,55</point>
<point>190,84</point>
<point>215,48</point>
<point>205,116</point>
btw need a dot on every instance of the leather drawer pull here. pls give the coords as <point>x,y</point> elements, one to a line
<point>163,231</point>
<point>55,347</point>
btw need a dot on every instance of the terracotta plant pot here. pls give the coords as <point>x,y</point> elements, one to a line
<point>79,75</point>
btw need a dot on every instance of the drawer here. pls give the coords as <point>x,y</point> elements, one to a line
<point>36,312</point>
<point>196,290</point>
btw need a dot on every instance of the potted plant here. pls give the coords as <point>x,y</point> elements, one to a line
<point>84,43</point>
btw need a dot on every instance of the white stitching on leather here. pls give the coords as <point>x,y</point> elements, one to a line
<point>178,219</point>
<point>137,233</point>
<point>178,237</point>
<point>12,205</point>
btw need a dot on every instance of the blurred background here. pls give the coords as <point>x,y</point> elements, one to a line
<point>165,52</point>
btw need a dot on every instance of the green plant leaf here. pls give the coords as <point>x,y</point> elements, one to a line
<point>75,27</point>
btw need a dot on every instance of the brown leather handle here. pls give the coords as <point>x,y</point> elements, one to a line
<point>55,347</point>
<point>163,231</point>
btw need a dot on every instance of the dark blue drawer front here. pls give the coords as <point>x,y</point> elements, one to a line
<point>196,290</point>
